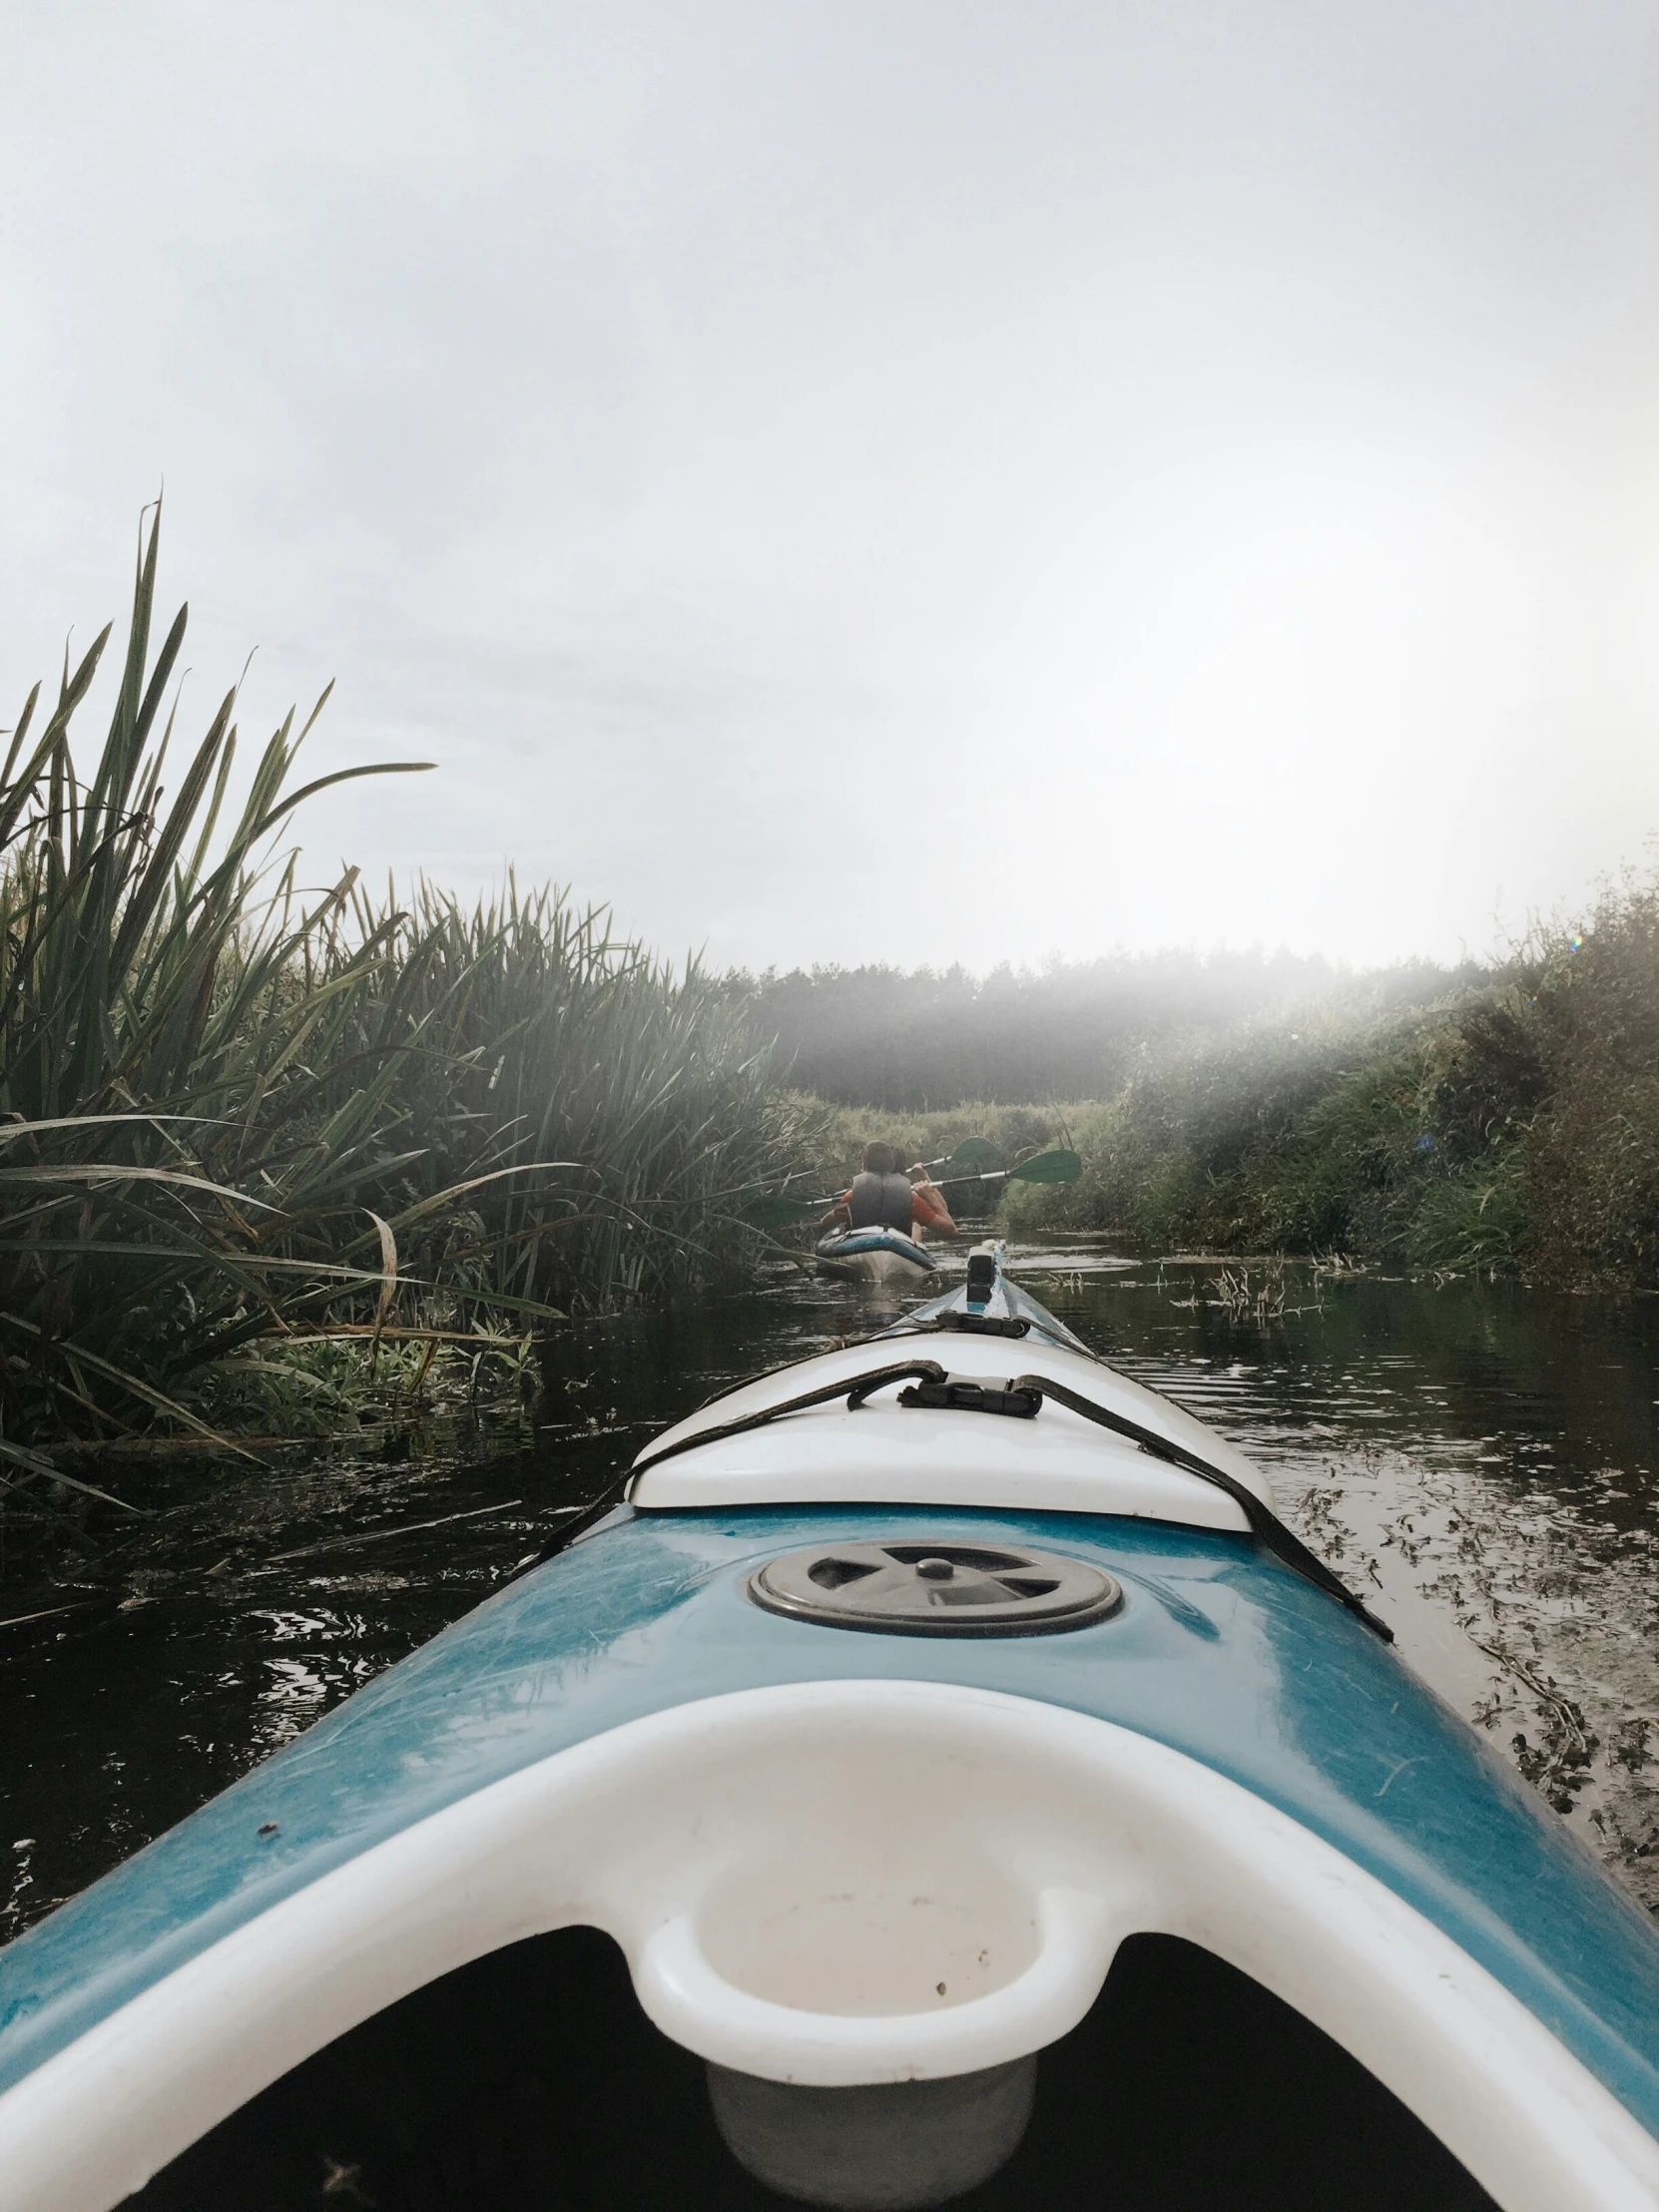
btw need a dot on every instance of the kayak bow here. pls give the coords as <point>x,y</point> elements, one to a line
<point>932,1776</point>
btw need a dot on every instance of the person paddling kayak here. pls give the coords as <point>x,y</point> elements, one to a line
<point>884,1195</point>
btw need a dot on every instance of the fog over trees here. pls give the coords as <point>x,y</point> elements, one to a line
<point>911,1040</point>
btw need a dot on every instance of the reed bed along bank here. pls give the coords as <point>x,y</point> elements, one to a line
<point>242,1119</point>
<point>1510,1124</point>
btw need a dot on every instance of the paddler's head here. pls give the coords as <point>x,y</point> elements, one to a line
<point>880,1158</point>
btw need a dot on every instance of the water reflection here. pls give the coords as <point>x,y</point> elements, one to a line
<point>1481,1456</point>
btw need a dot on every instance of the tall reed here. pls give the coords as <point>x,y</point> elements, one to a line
<point>603,1108</point>
<point>236,1110</point>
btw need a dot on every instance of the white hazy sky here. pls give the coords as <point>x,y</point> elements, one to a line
<point>925,480</point>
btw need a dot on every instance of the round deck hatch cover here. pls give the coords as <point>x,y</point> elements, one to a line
<point>928,1588</point>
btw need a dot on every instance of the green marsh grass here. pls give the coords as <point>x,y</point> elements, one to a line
<point>234,1115</point>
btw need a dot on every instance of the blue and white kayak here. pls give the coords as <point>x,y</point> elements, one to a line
<point>874,1256</point>
<point>940,1771</point>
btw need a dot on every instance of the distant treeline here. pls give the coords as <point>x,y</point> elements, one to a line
<point>927,1039</point>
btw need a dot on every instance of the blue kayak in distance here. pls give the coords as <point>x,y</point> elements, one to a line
<point>874,1256</point>
<point>941,1777</point>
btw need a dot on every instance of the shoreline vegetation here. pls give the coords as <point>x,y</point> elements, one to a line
<point>1507,1126</point>
<point>257,1139</point>
<point>267,1151</point>
<point>1495,1119</point>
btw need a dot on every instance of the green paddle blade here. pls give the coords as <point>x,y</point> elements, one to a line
<point>974,1152</point>
<point>1047,1167</point>
<point>778,1212</point>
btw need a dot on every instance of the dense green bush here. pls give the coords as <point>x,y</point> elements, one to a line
<point>1592,998</point>
<point>1510,1124</point>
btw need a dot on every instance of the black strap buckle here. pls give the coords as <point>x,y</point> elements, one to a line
<point>972,1397</point>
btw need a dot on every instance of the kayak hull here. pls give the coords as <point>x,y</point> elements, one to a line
<point>884,1256</point>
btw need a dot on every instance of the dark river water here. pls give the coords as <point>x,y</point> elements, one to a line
<point>1482,1457</point>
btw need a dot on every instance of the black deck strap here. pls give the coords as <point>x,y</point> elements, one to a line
<point>970,1325</point>
<point>854,1389</point>
<point>566,1534</point>
<point>921,1371</point>
<point>1265,1525</point>
<point>972,1397</point>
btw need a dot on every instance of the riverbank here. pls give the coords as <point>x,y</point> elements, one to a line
<point>266,1145</point>
<point>271,1152</point>
<point>1512,1125</point>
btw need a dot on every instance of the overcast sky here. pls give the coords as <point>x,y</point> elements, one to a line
<point>914,481</point>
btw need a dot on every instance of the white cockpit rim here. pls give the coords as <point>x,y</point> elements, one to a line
<point>696,1834</point>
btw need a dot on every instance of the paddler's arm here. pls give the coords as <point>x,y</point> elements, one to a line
<point>927,1207</point>
<point>840,1215</point>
